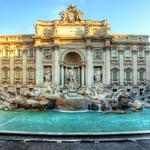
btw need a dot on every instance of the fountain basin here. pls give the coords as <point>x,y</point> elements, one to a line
<point>82,122</point>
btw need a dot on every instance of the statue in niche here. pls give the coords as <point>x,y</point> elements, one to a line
<point>47,75</point>
<point>71,79</point>
<point>97,75</point>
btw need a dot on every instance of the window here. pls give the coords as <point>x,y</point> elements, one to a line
<point>127,54</point>
<point>98,54</point>
<point>114,75</point>
<point>141,53</point>
<point>5,73</point>
<point>140,39</point>
<point>128,75</point>
<point>30,74</point>
<point>30,53</point>
<point>18,53</point>
<point>127,38</point>
<point>114,53</point>
<point>141,75</point>
<point>18,74</point>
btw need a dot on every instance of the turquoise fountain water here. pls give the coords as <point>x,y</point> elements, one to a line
<point>53,121</point>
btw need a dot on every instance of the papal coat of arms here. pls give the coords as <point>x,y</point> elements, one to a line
<point>71,15</point>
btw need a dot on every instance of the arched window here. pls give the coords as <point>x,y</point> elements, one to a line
<point>128,74</point>
<point>141,74</point>
<point>18,73</point>
<point>30,73</point>
<point>5,73</point>
<point>115,74</point>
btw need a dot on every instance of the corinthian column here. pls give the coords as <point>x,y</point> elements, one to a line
<point>24,65</point>
<point>11,66</point>
<point>89,67</point>
<point>134,52</point>
<point>55,65</point>
<point>82,75</point>
<point>147,64</point>
<point>0,65</point>
<point>121,65</point>
<point>62,75</point>
<point>39,67</point>
<point>107,65</point>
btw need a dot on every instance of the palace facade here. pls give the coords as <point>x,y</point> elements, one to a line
<point>85,48</point>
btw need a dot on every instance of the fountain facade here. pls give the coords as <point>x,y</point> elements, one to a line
<point>73,51</point>
<point>74,64</point>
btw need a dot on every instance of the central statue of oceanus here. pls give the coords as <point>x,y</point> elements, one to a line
<point>71,15</point>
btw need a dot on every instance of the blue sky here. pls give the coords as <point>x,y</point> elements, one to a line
<point>125,16</point>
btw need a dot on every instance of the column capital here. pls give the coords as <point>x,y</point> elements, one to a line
<point>107,47</point>
<point>89,47</point>
<point>55,47</point>
<point>38,48</point>
<point>11,51</point>
<point>147,51</point>
<point>134,49</point>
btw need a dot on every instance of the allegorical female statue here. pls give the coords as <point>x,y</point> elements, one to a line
<point>97,75</point>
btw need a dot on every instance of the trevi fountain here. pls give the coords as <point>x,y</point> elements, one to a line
<point>74,106</point>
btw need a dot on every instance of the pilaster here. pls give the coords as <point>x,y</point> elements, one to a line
<point>83,72</point>
<point>107,65</point>
<point>0,66</point>
<point>55,65</point>
<point>39,67</point>
<point>89,66</point>
<point>135,74</point>
<point>147,52</point>
<point>121,65</point>
<point>12,75</point>
<point>24,65</point>
<point>62,75</point>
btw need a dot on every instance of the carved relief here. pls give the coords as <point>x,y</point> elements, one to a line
<point>47,54</point>
<point>71,15</point>
<point>97,54</point>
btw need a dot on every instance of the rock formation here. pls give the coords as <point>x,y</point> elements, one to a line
<point>53,97</point>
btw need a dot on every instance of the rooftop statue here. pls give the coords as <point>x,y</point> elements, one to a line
<point>71,15</point>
